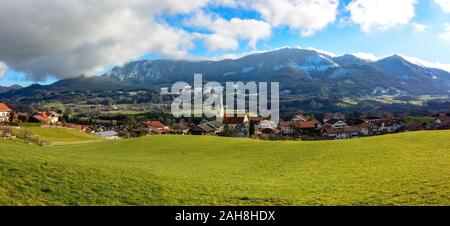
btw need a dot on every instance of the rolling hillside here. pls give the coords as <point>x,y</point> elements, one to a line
<point>58,136</point>
<point>401,169</point>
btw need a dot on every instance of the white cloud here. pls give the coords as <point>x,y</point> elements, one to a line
<point>366,56</point>
<point>445,35</point>
<point>419,28</point>
<point>228,3</point>
<point>234,56</point>
<point>226,34</point>
<point>424,63</point>
<point>372,58</point>
<point>3,69</point>
<point>444,4</point>
<point>308,16</point>
<point>71,37</point>
<point>331,54</point>
<point>381,15</point>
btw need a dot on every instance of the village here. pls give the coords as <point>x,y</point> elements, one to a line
<point>300,127</point>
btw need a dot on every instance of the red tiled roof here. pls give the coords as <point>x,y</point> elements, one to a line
<point>352,129</point>
<point>155,124</point>
<point>43,114</point>
<point>301,125</point>
<point>4,108</point>
<point>40,118</point>
<point>286,124</point>
<point>307,125</point>
<point>47,114</point>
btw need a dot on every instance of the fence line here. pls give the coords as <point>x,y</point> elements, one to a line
<point>30,138</point>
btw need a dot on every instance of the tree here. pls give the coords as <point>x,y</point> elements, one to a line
<point>130,121</point>
<point>227,131</point>
<point>252,128</point>
<point>69,111</point>
<point>297,131</point>
<point>24,108</point>
<point>14,117</point>
<point>66,117</point>
<point>353,115</point>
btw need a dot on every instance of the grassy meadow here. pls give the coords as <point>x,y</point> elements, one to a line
<point>399,169</point>
<point>56,135</point>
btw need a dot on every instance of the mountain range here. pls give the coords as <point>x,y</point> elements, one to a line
<point>4,89</point>
<point>300,72</point>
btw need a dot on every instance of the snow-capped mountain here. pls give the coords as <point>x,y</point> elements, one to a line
<point>298,70</point>
<point>301,73</point>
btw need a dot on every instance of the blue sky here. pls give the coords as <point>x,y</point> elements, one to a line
<point>417,28</point>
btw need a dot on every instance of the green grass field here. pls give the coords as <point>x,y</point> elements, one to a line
<point>58,136</point>
<point>400,169</point>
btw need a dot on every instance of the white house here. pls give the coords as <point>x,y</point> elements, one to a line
<point>342,133</point>
<point>46,117</point>
<point>336,123</point>
<point>340,124</point>
<point>53,116</point>
<point>287,128</point>
<point>266,124</point>
<point>365,128</point>
<point>390,127</point>
<point>5,112</point>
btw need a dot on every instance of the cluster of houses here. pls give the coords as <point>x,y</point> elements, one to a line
<point>307,128</point>
<point>347,129</point>
<point>333,127</point>
<point>301,127</point>
<point>7,115</point>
